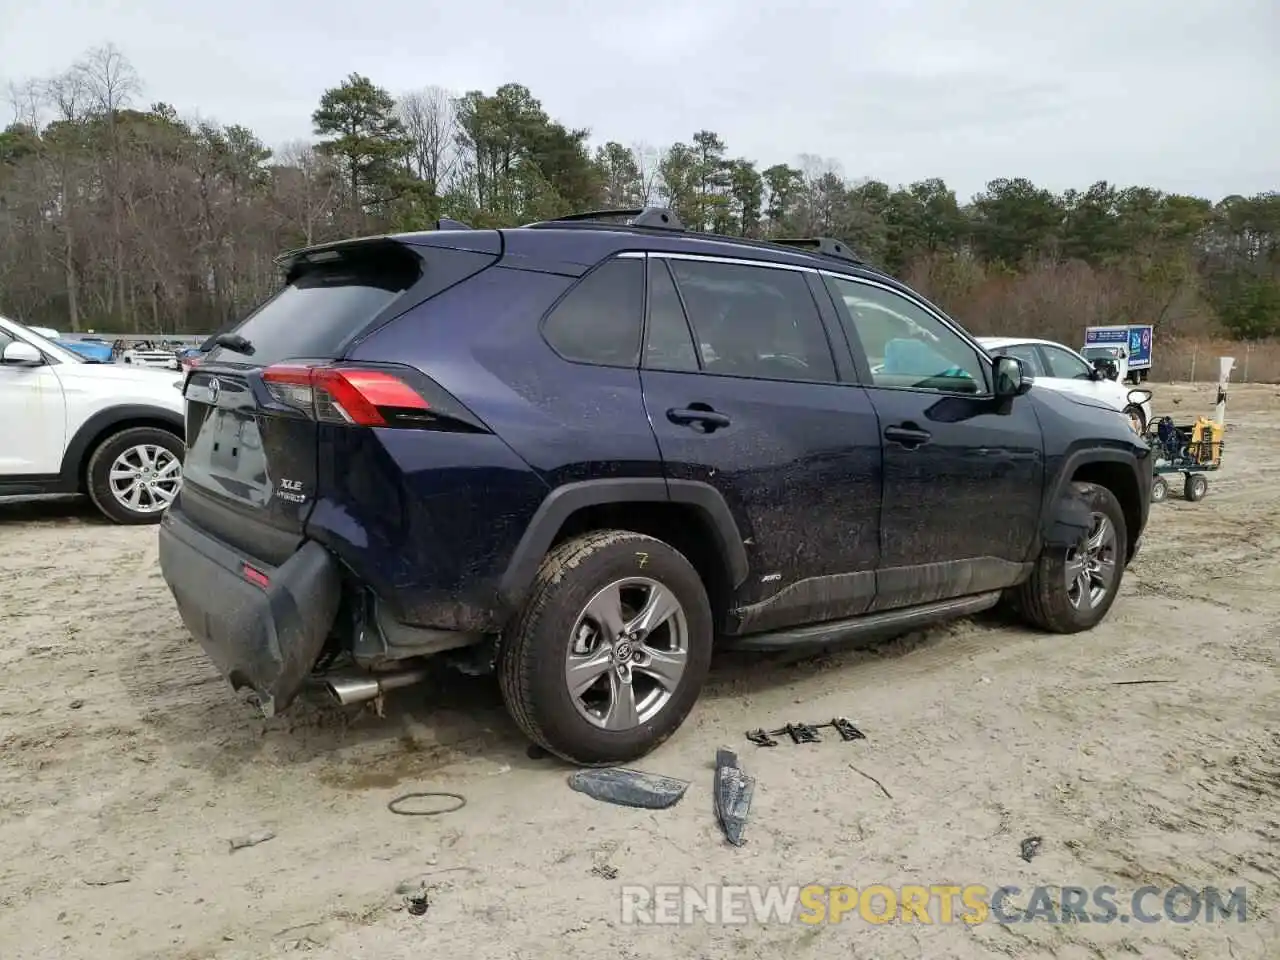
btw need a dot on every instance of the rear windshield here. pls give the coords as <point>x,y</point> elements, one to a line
<point>323,305</point>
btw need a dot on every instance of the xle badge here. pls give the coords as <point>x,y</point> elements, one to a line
<point>291,490</point>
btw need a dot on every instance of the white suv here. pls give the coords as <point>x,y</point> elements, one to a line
<point>68,425</point>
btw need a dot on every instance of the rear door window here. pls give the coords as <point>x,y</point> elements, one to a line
<point>599,320</point>
<point>668,343</point>
<point>758,322</point>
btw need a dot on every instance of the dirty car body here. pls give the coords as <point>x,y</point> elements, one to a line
<point>452,439</point>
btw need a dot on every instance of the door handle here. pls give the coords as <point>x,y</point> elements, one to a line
<point>907,435</point>
<point>689,416</point>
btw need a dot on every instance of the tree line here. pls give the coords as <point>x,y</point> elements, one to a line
<point>115,216</point>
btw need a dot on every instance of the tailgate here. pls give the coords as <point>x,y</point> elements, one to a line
<point>250,470</point>
<point>257,399</point>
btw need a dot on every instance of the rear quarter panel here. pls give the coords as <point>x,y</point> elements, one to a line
<point>428,520</point>
<point>431,520</point>
<point>568,421</point>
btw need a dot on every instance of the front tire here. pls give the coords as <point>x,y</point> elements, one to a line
<point>1137,419</point>
<point>134,475</point>
<point>611,650</point>
<point>1073,589</point>
<point>1159,490</point>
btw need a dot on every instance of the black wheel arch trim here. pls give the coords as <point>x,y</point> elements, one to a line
<point>564,501</point>
<point>1065,518</point>
<point>81,444</point>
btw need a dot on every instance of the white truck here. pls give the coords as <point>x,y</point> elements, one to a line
<point>1126,346</point>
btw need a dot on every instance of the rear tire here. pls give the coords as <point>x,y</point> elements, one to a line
<point>132,449</point>
<point>1072,589</point>
<point>560,629</point>
<point>1195,487</point>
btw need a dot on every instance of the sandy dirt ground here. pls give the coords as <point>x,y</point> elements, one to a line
<point>126,768</point>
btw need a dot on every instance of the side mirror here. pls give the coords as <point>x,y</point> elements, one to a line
<point>1010,380</point>
<point>22,354</point>
<point>1139,397</point>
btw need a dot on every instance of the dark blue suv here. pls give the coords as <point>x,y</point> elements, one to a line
<point>591,449</point>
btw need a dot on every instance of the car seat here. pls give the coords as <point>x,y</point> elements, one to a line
<point>905,357</point>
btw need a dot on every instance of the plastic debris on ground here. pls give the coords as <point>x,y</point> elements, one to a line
<point>629,788</point>
<point>805,732</point>
<point>733,791</point>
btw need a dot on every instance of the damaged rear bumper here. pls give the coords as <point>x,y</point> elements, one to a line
<point>262,626</point>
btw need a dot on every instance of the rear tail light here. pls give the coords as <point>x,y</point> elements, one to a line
<point>368,397</point>
<point>255,576</point>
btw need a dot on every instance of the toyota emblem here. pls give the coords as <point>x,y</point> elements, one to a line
<point>215,389</point>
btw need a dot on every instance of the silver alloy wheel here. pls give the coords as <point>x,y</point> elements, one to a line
<point>1091,567</point>
<point>627,653</point>
<point>145,478</point>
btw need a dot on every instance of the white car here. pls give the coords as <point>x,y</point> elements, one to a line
<point>71,426</point>
<point>1057,367</point>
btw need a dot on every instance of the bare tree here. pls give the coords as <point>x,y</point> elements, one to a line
<point>109,78</point>
<point>431,124</point>
<point>111,82</point>
<point>26,99</point>
<point>307,190</point>
<point>648,162</point>
<point>69,97</point>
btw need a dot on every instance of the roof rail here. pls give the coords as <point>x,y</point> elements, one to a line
<point>444,223</point>
<point>658,218</point>
<point>823,245</point>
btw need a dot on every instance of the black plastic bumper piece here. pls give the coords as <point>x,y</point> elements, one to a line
<point>265,636</point>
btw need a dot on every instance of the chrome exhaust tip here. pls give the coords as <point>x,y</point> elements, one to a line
<point>347,689</point>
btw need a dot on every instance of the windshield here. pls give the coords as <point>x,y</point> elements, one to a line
<point>1109,353</point>
<point>48,346</point>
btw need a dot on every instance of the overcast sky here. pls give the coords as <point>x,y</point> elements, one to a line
<point>1183,95</point>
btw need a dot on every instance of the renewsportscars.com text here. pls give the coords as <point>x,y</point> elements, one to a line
<point>932,904</point>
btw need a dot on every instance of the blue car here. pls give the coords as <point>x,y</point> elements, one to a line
<point>583,453</point>
<point>91,348</point>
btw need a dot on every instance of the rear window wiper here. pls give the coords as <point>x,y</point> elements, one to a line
<point>233,341</point>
